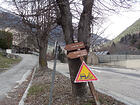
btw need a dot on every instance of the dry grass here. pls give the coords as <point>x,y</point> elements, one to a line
<point>62,94</point>
<point>7,62</point>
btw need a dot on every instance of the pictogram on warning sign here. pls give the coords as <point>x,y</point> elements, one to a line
<point>85,74</point>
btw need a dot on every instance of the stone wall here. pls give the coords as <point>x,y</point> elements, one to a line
<point>92,59</point>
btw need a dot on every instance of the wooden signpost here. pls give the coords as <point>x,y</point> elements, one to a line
<point>77,54</point>
<point>74,46</point>
<point>84,71</point>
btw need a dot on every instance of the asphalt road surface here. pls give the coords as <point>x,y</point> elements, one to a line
<point>17,74</point>
<point>122,84</point>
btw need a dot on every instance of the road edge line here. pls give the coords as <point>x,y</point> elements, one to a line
<point>21,102</point>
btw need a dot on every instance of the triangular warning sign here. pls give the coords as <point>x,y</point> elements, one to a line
<point>85,74</point>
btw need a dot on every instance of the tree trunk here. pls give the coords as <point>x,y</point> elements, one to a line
<point>78,89</point>
<point>42,55</point>
<point>85,23</point>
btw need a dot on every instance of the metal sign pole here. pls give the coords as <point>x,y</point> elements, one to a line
<point>53,73</point>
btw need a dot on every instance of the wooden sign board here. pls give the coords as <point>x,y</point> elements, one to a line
<point>77,54</point>
<point>74,46</point>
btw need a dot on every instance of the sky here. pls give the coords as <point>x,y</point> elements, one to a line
<point>116,23</point>
<point>119,22</point>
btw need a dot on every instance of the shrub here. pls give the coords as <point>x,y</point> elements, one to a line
<point>5,40</point>
<point>138,45</point>
<point>133,41</point>
<point>61,55</point>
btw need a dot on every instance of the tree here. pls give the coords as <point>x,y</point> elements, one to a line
<point>90,12</point>
<point>65,20</point>
<point>6,39</point>
<point>39,16</point>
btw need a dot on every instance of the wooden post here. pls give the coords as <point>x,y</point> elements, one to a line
<point>93,92</point>
<point>92,89</point>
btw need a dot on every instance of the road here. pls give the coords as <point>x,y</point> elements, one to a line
<point>122,84</point>
<point>17,74</point>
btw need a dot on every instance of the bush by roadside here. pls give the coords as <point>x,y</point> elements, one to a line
<point>5,39</point>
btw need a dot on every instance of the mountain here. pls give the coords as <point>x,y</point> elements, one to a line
<point>12,23</point>
<point>128,42</point>
<point>9,20</point>
<point>134,28</point>
<point>57,34</point>
<point>97,40</point>
<point>130,36</point>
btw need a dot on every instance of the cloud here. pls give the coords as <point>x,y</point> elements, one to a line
<point>6,4</point>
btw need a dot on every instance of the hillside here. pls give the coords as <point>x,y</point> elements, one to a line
<point>9,20</point>
<point>128,42</point>
<point>57,34</point>
<point>134,28</point>
<point>97,40</point>
<point>12,23</point>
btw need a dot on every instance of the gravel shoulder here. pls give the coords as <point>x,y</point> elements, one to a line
<point>39,91</point>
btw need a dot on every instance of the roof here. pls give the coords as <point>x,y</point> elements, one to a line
<point>102,53</point>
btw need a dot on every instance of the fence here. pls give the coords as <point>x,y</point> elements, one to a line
<point>114,58</point>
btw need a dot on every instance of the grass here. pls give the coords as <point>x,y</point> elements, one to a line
<point>36,89</point>
<point>7,62</point>
<point>88,104</point>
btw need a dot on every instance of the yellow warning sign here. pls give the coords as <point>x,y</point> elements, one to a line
<point>85,74</point>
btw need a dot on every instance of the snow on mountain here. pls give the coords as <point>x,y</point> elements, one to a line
<point>97,40</point>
